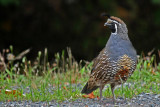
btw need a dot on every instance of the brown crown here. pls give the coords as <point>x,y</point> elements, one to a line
<point>117,19</point>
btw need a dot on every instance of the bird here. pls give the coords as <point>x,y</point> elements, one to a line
<point>116,62</point>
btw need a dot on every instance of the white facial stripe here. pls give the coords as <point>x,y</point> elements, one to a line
<point>110,20</point>
<point>116,22</point>
<point>115,29</point>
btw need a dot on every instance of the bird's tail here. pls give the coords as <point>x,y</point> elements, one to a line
<point>87,90</point>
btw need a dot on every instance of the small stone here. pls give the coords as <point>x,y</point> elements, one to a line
<point>157,96</point>
<point>152,105</point>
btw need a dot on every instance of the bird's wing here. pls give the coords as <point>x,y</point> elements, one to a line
<point>101,66</point>
<point>98,58</point>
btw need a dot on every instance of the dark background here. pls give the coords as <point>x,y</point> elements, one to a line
<point>56,24</point>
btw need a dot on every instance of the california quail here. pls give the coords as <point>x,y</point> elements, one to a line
<point>116,62</point>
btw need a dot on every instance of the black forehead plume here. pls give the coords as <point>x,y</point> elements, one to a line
<point>105,15</point>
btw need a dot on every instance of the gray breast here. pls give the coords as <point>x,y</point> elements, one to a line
<point>116,47</point>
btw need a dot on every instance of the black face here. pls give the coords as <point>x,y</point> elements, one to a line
<point>112,26</point>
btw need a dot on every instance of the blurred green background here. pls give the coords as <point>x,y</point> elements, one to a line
<point>56,24</point>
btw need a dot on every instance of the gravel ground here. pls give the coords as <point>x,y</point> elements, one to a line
<point>141,100</point>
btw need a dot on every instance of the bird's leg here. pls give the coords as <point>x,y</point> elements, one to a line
<point>100,90</point>
<point>114,98</point>
<point>122,86</point>
<point>112,89</point>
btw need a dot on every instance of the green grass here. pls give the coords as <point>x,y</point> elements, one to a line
<point>59,80</point>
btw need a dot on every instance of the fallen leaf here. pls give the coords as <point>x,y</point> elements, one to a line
<point>13,92</point>
<point>91,96</point>
<point>65,88</point>
<point>153,72</point>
